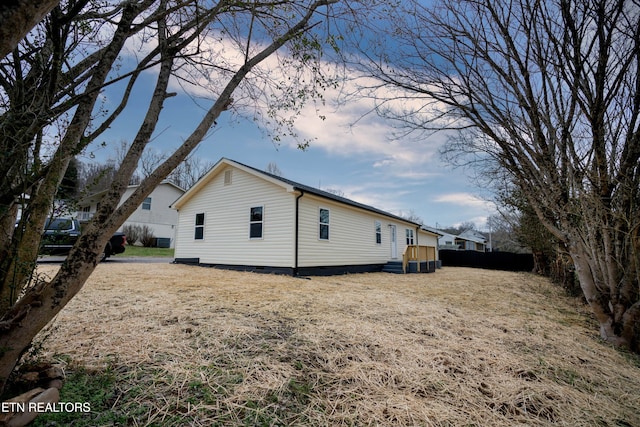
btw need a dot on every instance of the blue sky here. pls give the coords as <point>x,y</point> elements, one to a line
<point>399,176</point>
<point>349,151</point>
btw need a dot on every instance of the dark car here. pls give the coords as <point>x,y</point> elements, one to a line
<point>61,234</point>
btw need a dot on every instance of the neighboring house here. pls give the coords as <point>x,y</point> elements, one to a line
<point>60,208</point>
<point>240,217</point>
<point>472,241</point>
<point>447,241</point>
<point>468,240</point>
<point>154,212</point>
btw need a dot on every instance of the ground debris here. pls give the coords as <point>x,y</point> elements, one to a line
<point>196,346</point>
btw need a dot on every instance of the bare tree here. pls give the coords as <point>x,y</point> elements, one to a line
<point>451,229</point>
<point>185,175</point>
<point>335,192</point>
<point>226,42</point>
<point>96,177</point>
<point>273,169</point>
<point>550,93</point>
<point>412,216</point>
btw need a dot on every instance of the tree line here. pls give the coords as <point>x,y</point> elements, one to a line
<point>542,98</point>
<point>83,178</point>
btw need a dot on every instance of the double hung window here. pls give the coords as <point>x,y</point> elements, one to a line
<point>410,239</point>
<point>199,228</point>
<point>256,221</point>
<point>146,205</point>
<point>324,224</point>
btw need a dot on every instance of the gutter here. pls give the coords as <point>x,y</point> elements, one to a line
<point>297,233</point>
<point>418,245</point>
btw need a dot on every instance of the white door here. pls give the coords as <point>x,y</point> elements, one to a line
<point>394,242</point>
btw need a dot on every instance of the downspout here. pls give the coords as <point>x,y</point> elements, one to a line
<point>418,247</point>
<point>297,234</point>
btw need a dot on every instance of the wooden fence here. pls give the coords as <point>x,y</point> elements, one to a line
<point>490,260</point>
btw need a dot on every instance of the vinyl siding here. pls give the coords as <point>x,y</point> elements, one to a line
<point>226,229</point>
<point>352,235</point>
<point>428,239</point>
<point>160,218</point>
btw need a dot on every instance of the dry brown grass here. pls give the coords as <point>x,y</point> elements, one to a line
<point>199,346</point>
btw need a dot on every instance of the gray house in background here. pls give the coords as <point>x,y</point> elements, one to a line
<point>468,240</point>
<point>154,212</point>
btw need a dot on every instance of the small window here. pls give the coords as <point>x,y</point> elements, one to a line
<point>378,232</point>
<point>409,237</point>
<point>199,230</point>
<point>255,222</point>
<point>324,224</point>
<point>227,177</point>
<point>146,205</point>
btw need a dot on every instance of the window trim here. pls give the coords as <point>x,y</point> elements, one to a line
<point>261,222</point>
<point>324,224</point>
<point>377,227</point>
<point>199,226</point>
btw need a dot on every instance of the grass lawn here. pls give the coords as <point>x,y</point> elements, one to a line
<point>176,345</point>
<point>140,251</point>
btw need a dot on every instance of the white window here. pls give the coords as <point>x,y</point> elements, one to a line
<point>227,177</point>
<point>146,205</point>
<point>199,229</point>
<point>409,236</point>
<point>256,221</point>
<point>378,232</point>
<point>86,214</point>
<point>324,224</point>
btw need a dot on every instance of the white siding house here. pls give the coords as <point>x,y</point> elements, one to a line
<point>240,217</point>
<point>466,241</point>
<point>447,241</point>
<point>155,212</point>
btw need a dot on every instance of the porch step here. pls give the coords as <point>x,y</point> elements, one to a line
<point>394,267</point>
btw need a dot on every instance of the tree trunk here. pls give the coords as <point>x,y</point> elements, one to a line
<point>22,262</point>
<point>44,300</point>
<point>17,18</point>
<point>619,322</point>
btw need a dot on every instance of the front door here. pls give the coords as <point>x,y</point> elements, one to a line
<point>394,242</point>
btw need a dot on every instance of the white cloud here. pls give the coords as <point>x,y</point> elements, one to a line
<point>349,128</point>
<point>465,199</point>
<point>352,129</point>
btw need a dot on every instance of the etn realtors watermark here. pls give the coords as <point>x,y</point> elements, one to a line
<point>43,407</point>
